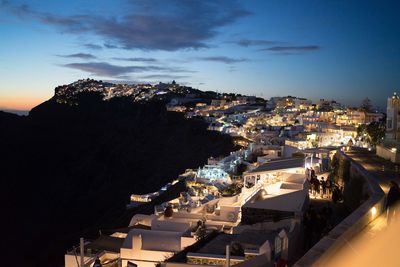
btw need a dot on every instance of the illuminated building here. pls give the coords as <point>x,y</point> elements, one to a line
<point>393,118</point>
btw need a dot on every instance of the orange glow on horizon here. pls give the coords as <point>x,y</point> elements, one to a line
<point>20,102</point>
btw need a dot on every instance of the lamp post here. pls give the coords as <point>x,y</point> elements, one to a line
<point>228,257</point>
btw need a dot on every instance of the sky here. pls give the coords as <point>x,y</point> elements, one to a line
<point>341,50</point>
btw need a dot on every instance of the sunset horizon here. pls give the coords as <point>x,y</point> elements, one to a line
<point>259,48</point>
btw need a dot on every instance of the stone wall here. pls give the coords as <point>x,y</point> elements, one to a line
<point>388,153</point>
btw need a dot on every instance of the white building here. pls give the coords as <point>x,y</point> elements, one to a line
<point>148,247</point>
<point>213,173</point>
<point>393,118</point>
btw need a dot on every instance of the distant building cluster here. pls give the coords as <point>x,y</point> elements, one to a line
<point>137,92</point>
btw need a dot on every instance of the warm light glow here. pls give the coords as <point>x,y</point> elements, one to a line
<point>20,102</point>
<point>373,211</point>
<point>362,250</point>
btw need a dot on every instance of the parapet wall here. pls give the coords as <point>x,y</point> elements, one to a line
<point>353,224</point>
<point>388,153</point>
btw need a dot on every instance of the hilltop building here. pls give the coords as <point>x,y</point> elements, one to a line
<point>393,118</point>
<point>390,148</point>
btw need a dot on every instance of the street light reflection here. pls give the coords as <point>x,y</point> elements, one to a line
<point>380,239</point>
<point>373,211</point>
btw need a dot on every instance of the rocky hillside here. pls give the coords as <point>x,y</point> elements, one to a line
<point>68,170</point>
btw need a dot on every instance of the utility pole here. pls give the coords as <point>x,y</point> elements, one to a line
<point>228,257</point>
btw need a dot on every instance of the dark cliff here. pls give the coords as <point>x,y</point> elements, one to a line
<point>68,170</point>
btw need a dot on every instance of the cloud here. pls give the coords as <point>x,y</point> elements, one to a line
<point>110,46</point>
<point>278,47</point>
<point>292,50</point>
<point>108,70</point>
<point>164,76</point>
<point>136,59</point>
<point>223,59</point>
<point>120,80</point>
<point>79,55</point>
<point>72,24</point>
<point>93,46</point>
<point>248,42</point>
<point>104,69</point>
<point>232,69</point>
<point>149,25</point>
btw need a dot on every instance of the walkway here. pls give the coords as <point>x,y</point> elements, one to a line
<point>376,244</point>
<point>383,170</point>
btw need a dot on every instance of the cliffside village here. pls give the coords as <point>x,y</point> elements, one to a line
<point>245,209</point>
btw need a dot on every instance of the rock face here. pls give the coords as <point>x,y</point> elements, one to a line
<point>68,170</point>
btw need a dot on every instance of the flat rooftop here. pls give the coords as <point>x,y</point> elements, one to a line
<point>286,200</point>
<point>107,243</point>
<point>279,164</point>
<point>250,239</point>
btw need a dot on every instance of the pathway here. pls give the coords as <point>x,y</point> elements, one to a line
<point>376,244</point>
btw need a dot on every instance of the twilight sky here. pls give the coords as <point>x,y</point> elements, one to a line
<point>315,49</point>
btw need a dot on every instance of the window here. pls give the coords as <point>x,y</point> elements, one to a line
<point>389,124</point>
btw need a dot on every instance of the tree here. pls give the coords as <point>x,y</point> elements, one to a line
<point>232,190</point>
<point>361,130</point>
<point>376,132</point>
<point>335,162</point>
<point>201,231</point>
<point>241,168</point>
<point>372,133</point>
<point>350,143</point>
<point>344,170</point>
<point>366,105</point>
<point>334,168</point>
